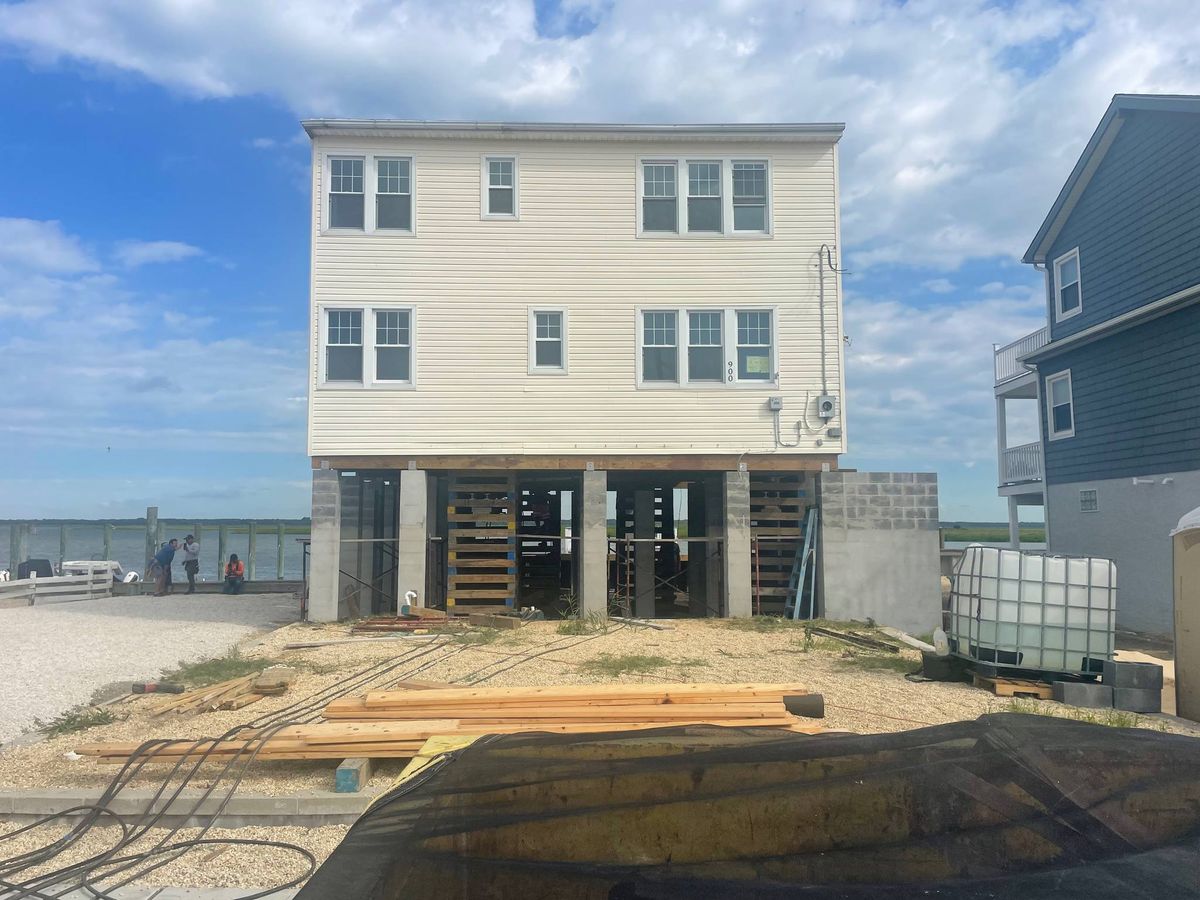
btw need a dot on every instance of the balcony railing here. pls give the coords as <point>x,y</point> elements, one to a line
<point>1007,366</point>
<point>1021,463</point>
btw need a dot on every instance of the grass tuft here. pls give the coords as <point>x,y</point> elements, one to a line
<point>478,637</point>
<point>1113,718</point>
<point>879,663</point>
<point>213,671</point>
<point>611,665</point>
<point>764,624</point>
<point>576,622</point>
<point>80,718</point>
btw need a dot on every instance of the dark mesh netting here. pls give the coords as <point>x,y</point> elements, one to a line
<point>1004,806</point>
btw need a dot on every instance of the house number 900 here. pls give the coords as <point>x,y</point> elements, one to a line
<point>729,374</point>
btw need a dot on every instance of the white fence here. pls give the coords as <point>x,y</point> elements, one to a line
<point>1021,463</point>
<point>96,582</point>
<point>1006,357</point>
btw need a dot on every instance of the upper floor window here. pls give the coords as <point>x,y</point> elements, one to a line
<point>704,196</point>
<point>1068,300</point>
<point>366,346</point>
<point>1060,406</point>
<point>346,192</point>
<point>726,196</point>
<point>1089,500</point>
<point>547,341</point>
<point>660,210</point>
<point>393,194</point>
<point>723,346</point>
<point>500,183</point>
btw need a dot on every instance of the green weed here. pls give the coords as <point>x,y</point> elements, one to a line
<point>213,671</point>
<point>80,718</point>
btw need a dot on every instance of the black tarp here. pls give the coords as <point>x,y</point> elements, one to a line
<point>1004,806</point>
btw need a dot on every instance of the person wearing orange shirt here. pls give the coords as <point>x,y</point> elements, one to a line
<point>235,574</point>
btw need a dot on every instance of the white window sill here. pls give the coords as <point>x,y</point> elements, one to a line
<point>706,235</point>
<point>375,386</point>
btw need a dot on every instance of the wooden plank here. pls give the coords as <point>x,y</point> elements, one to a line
<point>585,691</point>
<point>1014,687</point>
<point>481,594</point>
<point>352,775</point>
<point>507,578</point>
<point>484,620</point>
<point>477,517</point>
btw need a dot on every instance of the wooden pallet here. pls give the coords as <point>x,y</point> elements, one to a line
<point>1014,687</point>
<point>779,502</point>
<point>481,520</point>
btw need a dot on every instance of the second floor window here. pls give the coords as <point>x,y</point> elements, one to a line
<point>718,347</point>
<point>548,341</point>
<point>344,346</point>
<point>704,197</point>
<point>659,347</point>
<point>659,207</point>
<point>393,345</point>
<point>367,347</point>
<point>501,197</point>
<point>1068,300</point>
<point>750,196</point>
<point>393,194</point>
<point>754,346</point>
<point>346,192</point>
<point>706,358</point>
<point>1060,405</point>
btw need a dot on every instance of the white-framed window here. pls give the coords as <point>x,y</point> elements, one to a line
<point>369,194</point>
<point>346,192</point>
<point>1068,294</point>
<point>704,197</point>
<point>500,187</point>
<point>750,196</point>
<point>1060,407</point>
<point>706,355</point>
<point>728,347</point>
<point>660,208</point>
<point>366,346</point>
<point>1089,500</point>
<point>393,194</point>
<point>660,346</point>
<point>547,342</point>
<point>726,197</point>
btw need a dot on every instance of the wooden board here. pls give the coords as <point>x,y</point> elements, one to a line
<point>1014,687</point>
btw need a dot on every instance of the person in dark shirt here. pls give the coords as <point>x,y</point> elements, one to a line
<point>160,567</point>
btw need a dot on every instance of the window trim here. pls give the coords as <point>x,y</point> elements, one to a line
<point>1051,433</point>
<point>687,206</point>
<point>681,164</point>
<point>533,367</point>
<point>370,160</point>
<point>485,212</point>
<point>1059,315</point>
<point>728,346</point>
<point>369,382</point>
<point>390,382</point>
<point>412,206</point>
<point>1094,509</point>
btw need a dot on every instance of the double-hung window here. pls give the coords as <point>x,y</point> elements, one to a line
<point>547,342</point>
<point>706,357</point>
<point>660,209</point>
<point>393,194</point>
<point>1060,406</point>
<point>727,347</point>
<point>346,192</point>
<point>1068,300</point>
<point>365,346</point>
<point>500,187</point>
<point>704,197</point>
<point>749,196</point>
<point>660,347</point>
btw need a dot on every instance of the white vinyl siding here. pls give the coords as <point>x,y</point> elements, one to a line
<point>471,284</point>
<point>365,346</point>
<point>1060,406</point>
<point>1068,287</point>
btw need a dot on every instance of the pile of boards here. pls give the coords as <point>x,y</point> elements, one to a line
<point>390,724</point>
<point>235,693</point>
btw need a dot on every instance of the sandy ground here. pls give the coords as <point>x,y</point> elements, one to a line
<point>857,699</point>
<point>56,656</point>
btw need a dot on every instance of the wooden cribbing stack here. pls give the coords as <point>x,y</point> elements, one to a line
<point>389,724</point>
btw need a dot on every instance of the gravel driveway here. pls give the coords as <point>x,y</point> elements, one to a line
<point>54,657</point>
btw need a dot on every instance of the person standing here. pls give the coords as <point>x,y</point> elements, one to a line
<point>191,561</point>
<point>160,567</point>
<point>235,574</point>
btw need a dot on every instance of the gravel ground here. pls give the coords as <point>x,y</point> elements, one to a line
<point>54,657</point>
<point>857,699</point>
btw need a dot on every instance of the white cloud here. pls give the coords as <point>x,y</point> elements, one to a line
<point>938,285</point>
<point>42,247</point>
<point>264,143</point>
<point>962,119</point>
<point>132,254</point>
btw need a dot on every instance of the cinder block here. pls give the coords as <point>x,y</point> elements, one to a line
<point>1085,694</point>
<point>1139,700</point>
<point>1141,675</point>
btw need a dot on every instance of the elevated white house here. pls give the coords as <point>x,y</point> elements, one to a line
<point>536,347</point>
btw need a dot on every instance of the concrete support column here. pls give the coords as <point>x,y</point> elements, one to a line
<point>593,545</point>
<point>413,536</point>
<point>697,551</point>
<point>643,553</point>
<point>738,593</point>
<point>325,548</point>
<point>1014,523</point>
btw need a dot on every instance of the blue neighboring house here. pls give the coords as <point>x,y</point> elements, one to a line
<point>1116,371</point>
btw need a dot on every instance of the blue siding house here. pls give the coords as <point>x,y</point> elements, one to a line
<point>1116,370</point>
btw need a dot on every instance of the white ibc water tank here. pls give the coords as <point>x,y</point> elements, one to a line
<point>1030,611</point>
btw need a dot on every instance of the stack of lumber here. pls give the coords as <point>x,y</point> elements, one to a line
<point>233,694</point>
<point>416,624</point>
<point>388,724</point>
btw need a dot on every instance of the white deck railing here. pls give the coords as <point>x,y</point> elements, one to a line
<point>58,588</point>
<point>1007,366</point>
<point>1021,463</point>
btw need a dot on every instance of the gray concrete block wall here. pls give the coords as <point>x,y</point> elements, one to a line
<point>324,551</point>
<point>879,548</point>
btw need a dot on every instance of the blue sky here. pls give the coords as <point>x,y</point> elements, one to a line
<point>153,202</point>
